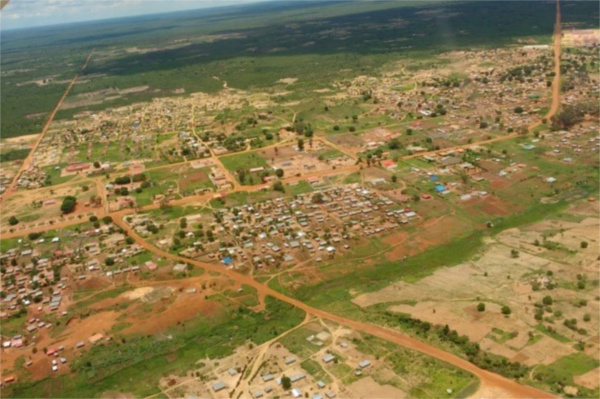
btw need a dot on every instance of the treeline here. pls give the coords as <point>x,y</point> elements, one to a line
<point>14,155</point>
<point>470,350</point>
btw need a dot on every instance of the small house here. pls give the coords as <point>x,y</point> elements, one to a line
<point>220,385</point>
<point>328,358</point>
<point>290,359</point>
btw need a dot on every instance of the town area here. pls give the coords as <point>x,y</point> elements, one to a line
<point>426,232</point>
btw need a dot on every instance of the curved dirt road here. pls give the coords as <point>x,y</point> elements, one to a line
<point>489,380</point>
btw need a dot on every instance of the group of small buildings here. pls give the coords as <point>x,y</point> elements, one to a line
<point>280,364</point>
<point>282,231</point>
<point>37,273</point>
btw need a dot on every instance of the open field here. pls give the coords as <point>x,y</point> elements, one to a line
<point>29,207</point>
<point>497,278</point>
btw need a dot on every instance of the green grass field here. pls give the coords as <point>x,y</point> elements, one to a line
<point>314,368</point>
<point>244,161</point>
<point>564,369</point>
<point>421,376</point>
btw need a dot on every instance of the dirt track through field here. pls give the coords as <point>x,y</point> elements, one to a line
<point>488,379</point>
<point>30,156</point>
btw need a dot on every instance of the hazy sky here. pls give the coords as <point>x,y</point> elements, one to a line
<point>28,13</point>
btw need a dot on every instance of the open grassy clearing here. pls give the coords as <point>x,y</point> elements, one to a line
<point>244,161</point>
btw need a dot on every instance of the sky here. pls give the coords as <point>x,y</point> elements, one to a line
<point>31,13</point>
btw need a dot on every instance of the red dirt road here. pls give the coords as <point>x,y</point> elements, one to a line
<point>488,380</point>
<point>556,82</point>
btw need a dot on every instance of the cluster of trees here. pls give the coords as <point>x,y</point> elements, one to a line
<point>248,123</point>
<point>245,176</point>
<point>519,73</point>
<point>34,236</point>
<point>122,191</point>
<point>152,228</point>
<point>233,143</point>
<point>470,350</point>
<point>121,180</point>
<point>570,115</point>
<point>68,205</point>
<point>199,234</point>
<point>257,142</point>
<point>451,81</point>
<point>571,324</point>
<point>300,127</point>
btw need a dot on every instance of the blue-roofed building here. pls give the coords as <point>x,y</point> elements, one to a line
<point>433,178</point>
<point>227,261</point>
<point>439,188</point>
